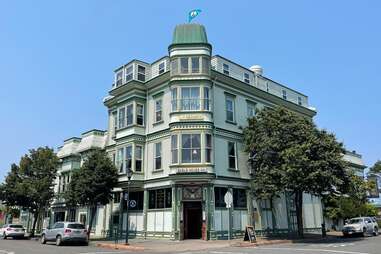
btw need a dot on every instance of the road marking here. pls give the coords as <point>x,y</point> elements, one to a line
<point>316,250</point>
<point>6,252</point>
<point>225,252</point>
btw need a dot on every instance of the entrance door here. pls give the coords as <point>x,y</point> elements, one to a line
<point>192,220</point>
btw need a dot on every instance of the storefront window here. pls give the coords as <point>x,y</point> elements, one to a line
<point>160,198</point>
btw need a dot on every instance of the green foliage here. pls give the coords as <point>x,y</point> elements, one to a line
<point>92,184</point>
<point>290,153</point>
<point>30,184</point>
<point>376,169</point>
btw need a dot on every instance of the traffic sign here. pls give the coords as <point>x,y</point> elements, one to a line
<point>228,198</point>
<point>132,203</point>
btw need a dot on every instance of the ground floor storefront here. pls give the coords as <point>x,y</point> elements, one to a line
<point>193,209</point>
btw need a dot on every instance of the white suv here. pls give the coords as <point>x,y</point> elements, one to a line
<point>361,225</point>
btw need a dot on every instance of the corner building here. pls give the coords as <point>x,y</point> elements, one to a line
<point>177,124</point>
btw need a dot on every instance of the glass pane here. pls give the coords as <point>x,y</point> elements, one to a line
<point>196,141</point>
<point>158,163</point>
<point>195,92</point>
<point>229,104</point>
<point>186,155</point>
<point>168,198</point>
<point>157,149</point>
<point>231,149</point>
<point>185,92</point>
<point>138,152</point>
<point>160,198</point>
<point>196,155</point>
<point>152,199</point>
<point>232,162</point>
<point>205,65</point>
<point>195,65</point>
<point>128,152</point>
<point>141,69</point>
<point>208,140</point>
<point>184,64</point>
<point>230,116</point>
<point>186,141</point>
<point>174,67</point>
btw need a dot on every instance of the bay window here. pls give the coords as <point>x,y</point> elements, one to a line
<point>190,98</point>
<point>122,115</point>
<point>174,98</point>
<point>195,64</point>
<point>128,158</point>
<point>184,65</point>
<point>208,148</point>
<point>130,114</point>
<point>138,158</point>
<point>190,148</point>
<point>174,149</point>
<point>206,98</point>
<point>139,114</point>
<point>119,160</point>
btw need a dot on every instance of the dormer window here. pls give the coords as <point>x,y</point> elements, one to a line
<point>141,73</point>
<point>225,69</point>
<point>129,73</point>
<point>300,101</point>
<point>161,67</point>
<point>284,94</point>
<point>246,78</point>
<point>119,78</point>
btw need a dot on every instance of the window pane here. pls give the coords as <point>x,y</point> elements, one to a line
<point>205,65</point>
<point>128,157</point>
<point>186,141</point>
<point>206,98</point>
<point>141,73</point>
<point>195,65</point>
<point>174,99</point>
<point>196,155</point>
<point>158,156</point>
<point>184,64</point>
<point>122,113</point>
<point>239,198</point>
<point>129,73</point>
<point>160,198</point>
<point>168,198</point>
<point>152,199</point>
<point>186,155</point>
<point>208,148</point>
<point>231,149</point>
<point>139,114</point>
<point>161,68</point>
<point>130,114</point>
<point>174,148</point>
<point>225,69</point>
<point>196,141</point>
<point>174,66</point>
<point>158,110</point>
<point>219,194</point>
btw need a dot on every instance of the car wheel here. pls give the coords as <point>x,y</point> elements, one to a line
<point>363,232</point>
<point>43,239</point>
<point>4,236</point>
<point>58,240</point>
<point>375,232</point>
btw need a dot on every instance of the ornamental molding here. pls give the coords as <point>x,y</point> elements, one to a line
<point>130,139</point>
<point>228,134</point>
<point>191,126</point>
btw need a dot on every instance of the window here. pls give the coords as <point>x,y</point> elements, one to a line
<point>174,66</point>
<point>128,157</point>
<point>190,148</point>
<point>239,198</point>
<point>141,73</point>
<point>232,155</point>
<point>225,69</point>
<point>130,114</point>
<point>205,65</point>
<point>116,197</point>
<point>161,198</point>
<point>229,101</point>
<point>139,114</point>
<point>206,98</point>
<point>195,64</point>
<point>158,110</point>
<point>174,98</point>
<point>267,87</point>
<point>114,121</point>
<point>250,109</point>
<point>137,196</point>
<point>208,148</point>
<point>174,149</point>
<point>161,67</point>
<point>119,160</point>
<point>299,100</point>
<point>129,73</point>
<point>158,155</point>
<point>246,78</point>
<point>190,98</point>
<point>184,65</point>
<point>219,194</point>
<point>284,94</point>
<point>138,158</point>
<point>119,78</point>
<point>122,115</point>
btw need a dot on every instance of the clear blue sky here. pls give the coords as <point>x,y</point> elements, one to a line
<point>57,60</point>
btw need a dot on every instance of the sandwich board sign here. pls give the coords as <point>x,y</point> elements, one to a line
<point>250,234</point>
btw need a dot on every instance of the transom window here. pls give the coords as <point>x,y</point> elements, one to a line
<point>190,148</point>
<point>232,155</point>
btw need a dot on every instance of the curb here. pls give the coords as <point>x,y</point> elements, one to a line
<point>248,244</point>
<point>119,246</point>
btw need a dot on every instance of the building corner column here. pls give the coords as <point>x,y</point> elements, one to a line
<point>145,209</point>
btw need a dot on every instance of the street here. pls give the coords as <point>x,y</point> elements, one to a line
<point>355,245</point>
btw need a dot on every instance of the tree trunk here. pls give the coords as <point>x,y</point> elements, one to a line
<point>93,210</point>
<point>35,218</point>
<point>299,212</point>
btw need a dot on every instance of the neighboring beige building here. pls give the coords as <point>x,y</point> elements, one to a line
<point>177,124</point>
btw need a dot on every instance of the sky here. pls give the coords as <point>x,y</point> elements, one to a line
<point>57,60</point>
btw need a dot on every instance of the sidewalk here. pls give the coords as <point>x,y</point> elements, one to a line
<point>164,245</point>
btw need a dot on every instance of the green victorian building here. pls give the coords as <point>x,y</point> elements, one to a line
<point>177,124</point>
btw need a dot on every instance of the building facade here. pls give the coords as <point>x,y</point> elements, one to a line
<point>177,124</point>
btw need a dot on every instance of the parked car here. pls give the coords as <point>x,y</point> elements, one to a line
<point>65,231</point>
<point>12,230</point>
<point>361,225</point>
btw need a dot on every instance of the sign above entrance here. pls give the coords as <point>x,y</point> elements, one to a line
<point>192,193</point>
<point>228,198</point>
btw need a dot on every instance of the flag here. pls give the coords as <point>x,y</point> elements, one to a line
<point>193,14</point>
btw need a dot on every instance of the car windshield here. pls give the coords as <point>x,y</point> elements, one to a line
<point>15,226</point>
<point>355,221</point>
<point>76,226</point>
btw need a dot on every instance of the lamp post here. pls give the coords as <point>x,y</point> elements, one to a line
<point>129,175</point>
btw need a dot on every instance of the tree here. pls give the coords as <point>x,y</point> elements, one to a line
<point>376,169</point>
<point>30,184</point>
<point>92,184</point>
<point>289,153</point>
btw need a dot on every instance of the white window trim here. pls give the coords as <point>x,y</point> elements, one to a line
<point>161,109</point>
<point>155,156</point>
<point>235,156</point>
<point>226,108</point>
<point>133,116</point>
<point>136,114</point>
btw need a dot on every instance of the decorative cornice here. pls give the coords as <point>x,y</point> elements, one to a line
<point>228,134</point>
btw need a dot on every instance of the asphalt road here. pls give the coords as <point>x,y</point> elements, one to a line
<point>367,245</point>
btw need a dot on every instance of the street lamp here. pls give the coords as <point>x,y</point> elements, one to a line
<point>129,175</point>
